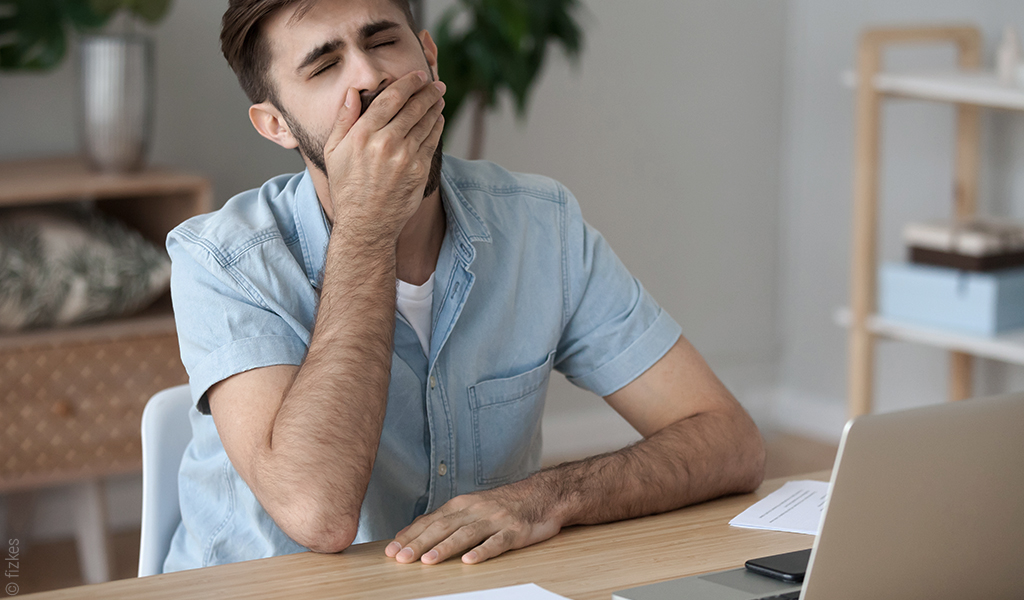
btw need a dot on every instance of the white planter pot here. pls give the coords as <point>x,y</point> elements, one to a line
<point>117,95</point>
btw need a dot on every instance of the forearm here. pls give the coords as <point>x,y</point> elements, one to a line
<point>317,458</point>
<point>702,457</point>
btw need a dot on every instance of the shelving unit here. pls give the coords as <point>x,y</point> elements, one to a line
<point>970,90</point>
<point>71,398</point>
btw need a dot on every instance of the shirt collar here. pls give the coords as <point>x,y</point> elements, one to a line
<point>464,224</point>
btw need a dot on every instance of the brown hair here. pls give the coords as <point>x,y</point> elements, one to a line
<point>246,49</point>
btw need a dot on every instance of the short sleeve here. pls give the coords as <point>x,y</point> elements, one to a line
<point>223,327</point>
<point>615,330</point>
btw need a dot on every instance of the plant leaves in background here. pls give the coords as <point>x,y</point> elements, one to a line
<point>105,7</point>
<point>503,47</point>
<point>33,33</point>
<point>82,15</point>
<point>151,11</point>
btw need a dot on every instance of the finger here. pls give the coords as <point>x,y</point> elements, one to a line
<point>434,534</point>
<point>463,538</point>
<point>414,529</point>
<point>388,104</point>
<point>410,533</point>
<point>429,145</point>
<point>347,117</point>
<point>422,129</point>
<point>414,110</point>
<point>497,544</point>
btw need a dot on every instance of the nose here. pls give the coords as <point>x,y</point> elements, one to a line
<point>366,76</point>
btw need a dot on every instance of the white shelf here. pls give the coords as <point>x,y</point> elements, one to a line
<point>981,88</point>
<point>1007,347</point>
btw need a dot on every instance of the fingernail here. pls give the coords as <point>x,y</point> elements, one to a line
<point>348,99</point>
<point>393,549</point>
<point>405,554</point>
<point>422,75</point>
<point>441,87</point>
<point>430,556</point>
<point>470,557</point>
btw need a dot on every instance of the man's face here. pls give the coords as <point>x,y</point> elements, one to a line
<point>337,45</point>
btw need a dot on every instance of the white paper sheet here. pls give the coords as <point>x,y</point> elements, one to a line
<point>529,591</point>
<point>796,507</point>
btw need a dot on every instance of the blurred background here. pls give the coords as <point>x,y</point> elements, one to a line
<point>711,142</point>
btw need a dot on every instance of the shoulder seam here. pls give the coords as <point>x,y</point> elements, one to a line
<point>228,260</point>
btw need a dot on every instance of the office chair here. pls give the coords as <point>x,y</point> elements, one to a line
<point>166,432</point>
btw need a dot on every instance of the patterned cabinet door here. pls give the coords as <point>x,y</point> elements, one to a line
<point>70,411</point>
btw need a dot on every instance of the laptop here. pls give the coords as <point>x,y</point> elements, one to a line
<point>923,503</point>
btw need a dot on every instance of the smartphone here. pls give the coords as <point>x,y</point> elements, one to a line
<point>789,567</point>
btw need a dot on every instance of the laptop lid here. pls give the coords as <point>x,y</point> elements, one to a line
<point>925,503</point>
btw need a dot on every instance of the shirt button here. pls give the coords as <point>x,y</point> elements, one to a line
<point>433,384</point>
<point>442,469</point>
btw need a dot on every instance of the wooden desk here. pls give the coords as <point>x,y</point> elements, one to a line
<point>581,563</point>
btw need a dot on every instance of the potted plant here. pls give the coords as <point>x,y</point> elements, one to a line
<point>501,45</point>
<point>116,67</point>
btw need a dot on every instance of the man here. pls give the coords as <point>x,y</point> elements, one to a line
<point>329,414</point>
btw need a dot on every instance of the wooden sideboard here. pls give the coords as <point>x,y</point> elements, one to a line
<point>71,398</point>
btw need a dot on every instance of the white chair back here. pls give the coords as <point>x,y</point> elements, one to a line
<point>166,432</point>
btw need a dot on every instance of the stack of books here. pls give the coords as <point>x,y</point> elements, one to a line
<point>979,245</point>
<point>966,276</point>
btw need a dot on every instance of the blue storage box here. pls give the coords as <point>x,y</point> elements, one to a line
<point>985,303</point>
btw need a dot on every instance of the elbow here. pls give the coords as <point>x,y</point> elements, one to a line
<point>748,455</point>
<point>754,457</point>
<point>320,529</point>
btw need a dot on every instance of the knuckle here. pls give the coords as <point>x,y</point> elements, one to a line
<point>390,99</point>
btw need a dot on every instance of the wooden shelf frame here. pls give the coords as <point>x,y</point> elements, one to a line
<point>863,288</point>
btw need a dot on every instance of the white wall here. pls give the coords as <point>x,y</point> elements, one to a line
<point>669,135</point>
<point>816,201</point>
<point>668,132</point>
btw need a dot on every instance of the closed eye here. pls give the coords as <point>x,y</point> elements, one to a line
<point>323,68</point>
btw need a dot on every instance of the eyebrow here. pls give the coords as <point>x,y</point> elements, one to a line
<point>366,31</point>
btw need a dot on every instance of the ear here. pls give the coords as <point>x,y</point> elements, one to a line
<point>429,50</point>
<point>269,121</point>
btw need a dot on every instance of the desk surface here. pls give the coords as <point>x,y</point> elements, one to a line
<point>581,563</point>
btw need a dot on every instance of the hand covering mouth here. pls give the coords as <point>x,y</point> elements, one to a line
<point>367,98</point>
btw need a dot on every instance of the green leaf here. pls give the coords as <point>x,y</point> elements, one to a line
<point>503,49</point>
<point>106,7</point>
<point>38,40</point>
<point>151,11</point>
<point>83,15</point>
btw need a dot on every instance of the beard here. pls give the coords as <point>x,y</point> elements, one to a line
<point>311,145</point>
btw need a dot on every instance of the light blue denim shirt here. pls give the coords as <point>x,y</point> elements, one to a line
<point>522,285</point>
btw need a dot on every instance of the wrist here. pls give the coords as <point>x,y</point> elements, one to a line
<point>554,495</point>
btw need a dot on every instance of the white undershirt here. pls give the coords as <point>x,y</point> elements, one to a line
<point>414,303</point>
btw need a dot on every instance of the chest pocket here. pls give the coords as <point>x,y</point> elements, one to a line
<point>507,424</point>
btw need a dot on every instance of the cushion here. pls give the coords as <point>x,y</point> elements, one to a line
<point>60,266</point>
